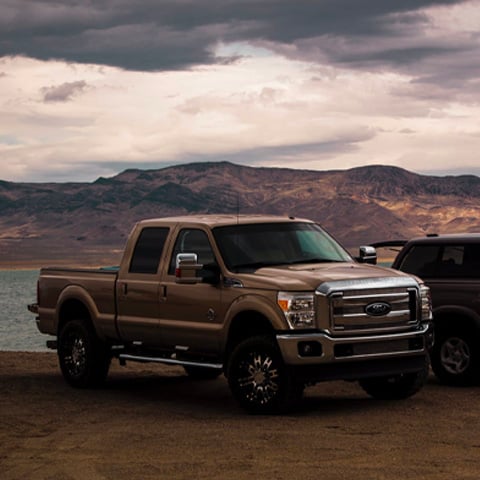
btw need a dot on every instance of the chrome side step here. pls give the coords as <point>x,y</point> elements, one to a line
<point>123,357</point>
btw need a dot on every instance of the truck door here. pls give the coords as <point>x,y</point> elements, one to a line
<point>138,288</point>
<point>192,314</point>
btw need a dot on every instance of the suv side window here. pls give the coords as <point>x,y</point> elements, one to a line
<point>471,260</point>
<point>451,261</point>
<point>460,261</point>
<point>148,250</point>
<point>443,261</point>
<point>421,260</point>
<point>191,240</point>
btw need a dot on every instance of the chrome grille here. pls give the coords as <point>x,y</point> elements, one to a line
<point>368,305</point>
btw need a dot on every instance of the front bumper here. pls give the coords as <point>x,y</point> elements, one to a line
<point>311,349</point>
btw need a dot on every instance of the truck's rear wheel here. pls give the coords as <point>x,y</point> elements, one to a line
<point>259,379</point>
<point>396,387</point>
<point>84,359</point>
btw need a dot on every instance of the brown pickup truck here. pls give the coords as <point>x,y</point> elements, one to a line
<point>274,303</point>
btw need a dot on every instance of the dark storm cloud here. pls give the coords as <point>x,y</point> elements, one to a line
<point>177,34</point>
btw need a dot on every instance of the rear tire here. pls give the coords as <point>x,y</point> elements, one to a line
<point>84,359</point>
<point>259,379</point>
<point>396,387</point>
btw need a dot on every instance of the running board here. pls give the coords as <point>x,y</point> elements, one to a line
<point>170,361</point>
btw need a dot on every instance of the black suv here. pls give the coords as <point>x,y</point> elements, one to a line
<point>450,266</point>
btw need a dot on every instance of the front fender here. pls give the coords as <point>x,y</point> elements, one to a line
<point>251,302</point>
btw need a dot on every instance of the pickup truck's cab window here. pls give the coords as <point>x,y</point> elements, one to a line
<point>191,240</point>
<point>148,250</point>
<point>259,245</point>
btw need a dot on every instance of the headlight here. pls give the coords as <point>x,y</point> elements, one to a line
<point>298,308</point>
<point>426,303</point>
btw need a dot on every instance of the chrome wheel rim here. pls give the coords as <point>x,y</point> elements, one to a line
<point>259,378</point>
<point>455,355</point>
<point>75,355</point>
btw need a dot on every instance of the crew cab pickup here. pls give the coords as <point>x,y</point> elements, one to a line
<point>274,303</point>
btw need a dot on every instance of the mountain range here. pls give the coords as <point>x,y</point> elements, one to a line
<point>88,223</point>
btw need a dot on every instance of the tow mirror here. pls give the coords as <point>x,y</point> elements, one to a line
<point>368,254</point>
<point>186,268</point>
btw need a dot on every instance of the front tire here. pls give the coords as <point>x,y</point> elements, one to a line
<point>396,387</point>
<point>454,358</point>
<point>259,379</point>
<point>84,359</point>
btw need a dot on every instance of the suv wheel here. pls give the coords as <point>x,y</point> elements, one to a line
<point>454,360</point>
<point>258,378</point>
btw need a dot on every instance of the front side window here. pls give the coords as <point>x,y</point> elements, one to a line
<point>148,250</point>
<point>192,240</point>
<point>421,260</point>
<point>246,247</point>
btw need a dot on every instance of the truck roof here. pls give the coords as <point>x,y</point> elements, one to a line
<point>221,220</point>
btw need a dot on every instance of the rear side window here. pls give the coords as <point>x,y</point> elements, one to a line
<point>148,250</point>
<point>443,261</point>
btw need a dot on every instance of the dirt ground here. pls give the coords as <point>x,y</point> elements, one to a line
<point>153,422</point>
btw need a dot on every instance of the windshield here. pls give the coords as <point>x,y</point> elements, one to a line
<point>247,247</point>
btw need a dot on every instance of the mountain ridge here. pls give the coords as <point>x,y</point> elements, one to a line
<point>359,205</point>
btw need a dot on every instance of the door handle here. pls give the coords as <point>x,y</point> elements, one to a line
<point>162,292</point>
<point>125,288</point>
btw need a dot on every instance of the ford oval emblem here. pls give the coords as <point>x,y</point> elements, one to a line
<point>378,309</point>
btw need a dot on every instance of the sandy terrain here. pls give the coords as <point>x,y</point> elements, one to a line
<point>153,422</point>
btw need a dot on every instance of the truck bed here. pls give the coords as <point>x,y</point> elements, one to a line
<point>94,286</point>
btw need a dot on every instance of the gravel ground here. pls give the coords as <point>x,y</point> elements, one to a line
<point>153,422</point>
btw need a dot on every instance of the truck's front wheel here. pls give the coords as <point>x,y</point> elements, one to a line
<point>84,359</point>
<point>396,387</point>
<point>259,379</point>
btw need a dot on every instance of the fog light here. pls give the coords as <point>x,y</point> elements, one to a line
<point>310,349</point>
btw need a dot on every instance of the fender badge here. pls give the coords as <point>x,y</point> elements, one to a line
<point>211,315</point>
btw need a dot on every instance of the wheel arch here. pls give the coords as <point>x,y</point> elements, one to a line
<point>448,317</point>
<point>246,324</point>
<point>250,316</point>
<point>74,303</point>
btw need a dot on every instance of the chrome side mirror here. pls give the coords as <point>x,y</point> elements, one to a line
<point>186,268</point>
<point>368,254</point>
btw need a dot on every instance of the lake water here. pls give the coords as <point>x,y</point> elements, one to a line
<point>18,330</point>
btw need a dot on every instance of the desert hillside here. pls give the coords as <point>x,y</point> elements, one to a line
<point>89,222</point>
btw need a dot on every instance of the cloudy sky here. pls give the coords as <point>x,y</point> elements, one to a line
<point>90,88</point>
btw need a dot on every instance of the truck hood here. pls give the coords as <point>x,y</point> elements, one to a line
<point>308,277</point>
